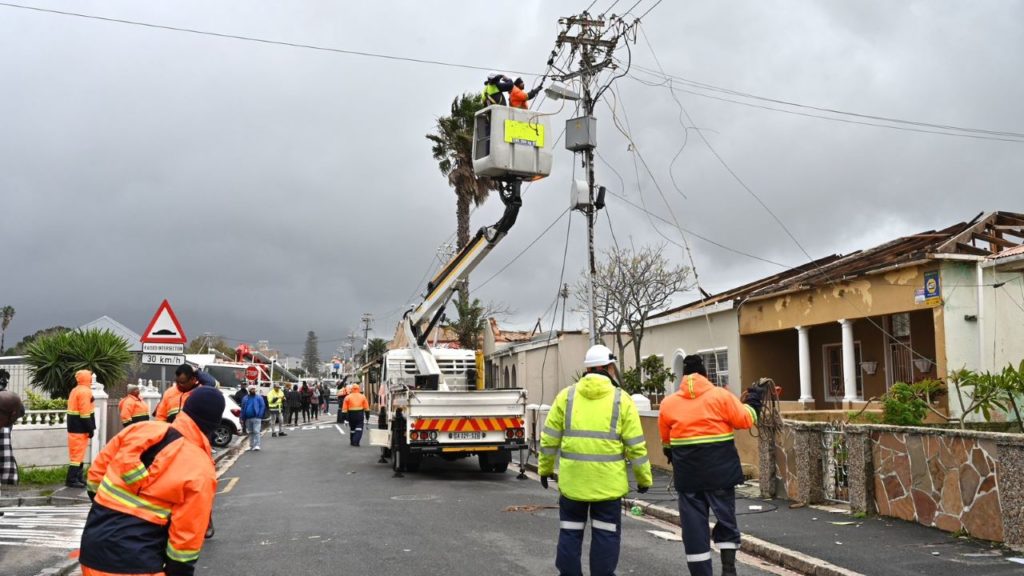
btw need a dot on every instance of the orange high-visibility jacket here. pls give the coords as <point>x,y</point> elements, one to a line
<point>80,419</point>
<point>697,423</point>
<point>172,403</point>
<point>132,409</point>
<point>355,402</point>
<point>154,485</point>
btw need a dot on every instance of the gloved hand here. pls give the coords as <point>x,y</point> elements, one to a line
<point>544,481</point>
<point>752,397</point>
<point>668,454</point>
<point>643,489</point>
<point>91,433</point>
<point>91,494</point>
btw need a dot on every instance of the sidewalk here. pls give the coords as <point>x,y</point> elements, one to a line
<point>819,541</point>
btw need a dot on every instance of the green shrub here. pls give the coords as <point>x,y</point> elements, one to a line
<point>53,359</point>
<point>903,405</point>
<point>40,402</point>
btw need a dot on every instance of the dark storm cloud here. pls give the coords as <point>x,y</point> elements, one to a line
<point>267,191</point>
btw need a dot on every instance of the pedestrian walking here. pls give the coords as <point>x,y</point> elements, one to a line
<point>81,425</point>
<point>357,410</point>
<point>314,402</point>
<point>325,399</point>
<point>254,409</point>
<point>131,408</point>
<point>697,425</point>
<point>152,488</point>
<point>275,403</point>
<point>11,409</point>
<point>294,400</point>
<point>286,409</point>
<point>594,429</point>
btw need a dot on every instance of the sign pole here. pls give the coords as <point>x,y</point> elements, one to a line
<point>163,379</point>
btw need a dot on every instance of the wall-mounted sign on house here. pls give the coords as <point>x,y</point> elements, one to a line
<point>932,288</point>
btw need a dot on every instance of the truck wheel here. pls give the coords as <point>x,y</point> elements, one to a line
<point>485,462</point>
<point>499,467</point>
<point>500,462</point>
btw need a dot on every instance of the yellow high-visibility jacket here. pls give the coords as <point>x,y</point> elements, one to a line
<point>594,429</point>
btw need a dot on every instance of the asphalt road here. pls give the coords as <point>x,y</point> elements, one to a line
<point>310,504</point>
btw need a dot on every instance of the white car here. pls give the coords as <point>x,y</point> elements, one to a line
<point>230,421</point>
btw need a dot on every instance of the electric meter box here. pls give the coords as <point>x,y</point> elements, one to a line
<point>511,143</point>
<point>581,133</point>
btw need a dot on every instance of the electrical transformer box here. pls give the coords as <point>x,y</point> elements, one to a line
<point>581,133</point>
<point>511,143</point>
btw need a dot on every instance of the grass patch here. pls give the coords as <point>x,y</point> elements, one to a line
<point>42,476</point>
<point>860,515</point>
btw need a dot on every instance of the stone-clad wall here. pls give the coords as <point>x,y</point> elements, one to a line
<point>948,482</point>
<point>950,479</point>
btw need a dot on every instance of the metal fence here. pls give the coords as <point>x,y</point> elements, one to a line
<point>19,379</point>
<point>835,476</point>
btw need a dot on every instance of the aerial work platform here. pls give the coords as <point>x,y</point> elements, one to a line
<point>511,144</point>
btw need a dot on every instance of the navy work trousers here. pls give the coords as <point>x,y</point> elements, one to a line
<point>605,536</point>
<point>355,426</point>
<point>693,511</point>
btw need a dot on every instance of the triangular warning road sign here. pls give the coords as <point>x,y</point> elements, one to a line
<point>164,328</point>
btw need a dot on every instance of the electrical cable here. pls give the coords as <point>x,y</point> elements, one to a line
<point>864,314</point>
<point>558,294</point>
<point>641,17</point>
<point>711,87</point>
<point>818,116</point>
<point>524,250</point>
<point>260,40</point>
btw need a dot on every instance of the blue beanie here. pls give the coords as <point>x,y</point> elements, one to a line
<point>205,405</point>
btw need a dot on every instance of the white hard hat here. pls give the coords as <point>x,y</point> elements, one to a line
<point>598,355</point>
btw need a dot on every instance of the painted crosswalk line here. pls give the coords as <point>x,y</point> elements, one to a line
<point>43,526</point>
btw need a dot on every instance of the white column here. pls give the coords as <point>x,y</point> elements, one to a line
<point>804,346</point>
<point>849,363</point>
<point>99,397</point>
<point>149,394</point>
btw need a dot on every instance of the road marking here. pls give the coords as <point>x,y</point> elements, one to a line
<point>340,431</point>
<point>43,526</point>
<point>230,486</point>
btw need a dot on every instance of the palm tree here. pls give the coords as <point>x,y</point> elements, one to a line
<point>377,348</point>
<point>453,150</point>
<point>471,323</point>
<point>6,315</point>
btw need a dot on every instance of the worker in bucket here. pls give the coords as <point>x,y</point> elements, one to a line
<point>594,429</point>
<point>494,89</point>
<point>697,425</point>
<point>519,97</point>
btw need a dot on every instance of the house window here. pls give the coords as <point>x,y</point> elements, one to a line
<point>833,370</point>
<point>901,325</point>
<point>717,363</point>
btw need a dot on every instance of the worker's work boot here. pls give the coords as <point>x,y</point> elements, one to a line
<point>729,562</point>
<point>75,478</point>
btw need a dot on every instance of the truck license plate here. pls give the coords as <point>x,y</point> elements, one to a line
<point>466,435</point>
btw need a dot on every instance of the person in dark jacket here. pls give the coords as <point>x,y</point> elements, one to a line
<point>294,402</point>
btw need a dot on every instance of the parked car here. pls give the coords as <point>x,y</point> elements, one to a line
<point>230,422</point>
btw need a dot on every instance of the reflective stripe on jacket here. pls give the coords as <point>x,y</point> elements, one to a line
<point>132,409</point>
<point>172,403</point>
<point>80,418</point>
<point>698,423</point>
<point>594,429</point>
<point>354,402</point>
<point>154,486</point>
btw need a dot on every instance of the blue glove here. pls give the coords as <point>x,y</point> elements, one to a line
<point>544,481</point>
<point>752,398</point>
<point>643,489</point>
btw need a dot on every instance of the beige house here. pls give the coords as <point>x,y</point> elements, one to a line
<point>910,309</point>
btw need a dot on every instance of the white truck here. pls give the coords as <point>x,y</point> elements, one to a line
<point>446,409</point>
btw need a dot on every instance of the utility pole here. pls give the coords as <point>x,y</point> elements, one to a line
<point>584,35</point>
<point>564,295</point>
<point>367,322</point>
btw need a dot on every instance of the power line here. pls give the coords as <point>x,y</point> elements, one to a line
<point>259,40</point>
<point>818,116</point>
<point>714,88</point>
<point>524,250</point>
<point>641,17</point>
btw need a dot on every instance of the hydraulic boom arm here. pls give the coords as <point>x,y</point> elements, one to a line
<point>419,321</point>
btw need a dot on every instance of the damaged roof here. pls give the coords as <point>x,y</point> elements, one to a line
<point>987,235</point>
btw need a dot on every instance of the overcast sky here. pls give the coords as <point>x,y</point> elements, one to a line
<point>267,190</point>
